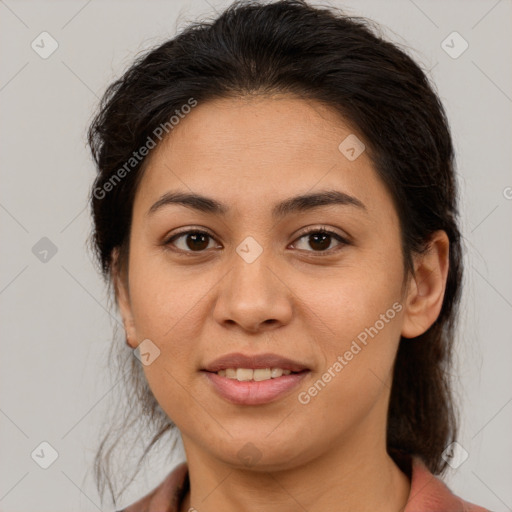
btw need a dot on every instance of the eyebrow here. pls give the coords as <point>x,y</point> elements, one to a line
<point>291,205</point>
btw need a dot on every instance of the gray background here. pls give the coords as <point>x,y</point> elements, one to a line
<point>55,325</point>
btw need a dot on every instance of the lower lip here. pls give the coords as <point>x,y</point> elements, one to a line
<point>254,392</point>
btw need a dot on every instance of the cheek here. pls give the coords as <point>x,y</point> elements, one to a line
<point>362,316</point>
<point>354,299</point>
<point>162,297</point>
<point>165,310</point>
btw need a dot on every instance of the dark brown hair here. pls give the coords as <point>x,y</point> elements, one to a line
<point>316,53</point>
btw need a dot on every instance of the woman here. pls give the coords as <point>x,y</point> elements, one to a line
<point>276,211</point>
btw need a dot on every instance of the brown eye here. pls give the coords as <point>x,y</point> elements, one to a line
<point>320,240</point>
<point>194,241</point>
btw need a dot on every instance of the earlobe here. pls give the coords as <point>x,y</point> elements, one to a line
<point>123,300</point>
<point>426,288</point>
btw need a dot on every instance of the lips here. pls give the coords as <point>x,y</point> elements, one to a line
<point>251,393</point>
<point>255,361</point>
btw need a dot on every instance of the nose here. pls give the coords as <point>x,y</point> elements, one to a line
<point>253,296</point>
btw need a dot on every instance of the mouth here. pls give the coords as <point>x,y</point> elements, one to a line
<point>245,388</point>
<point>255,374</point>
<point>254,379</point>
<point>259,364</point>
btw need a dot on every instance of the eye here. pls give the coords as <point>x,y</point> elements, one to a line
<point>193,241</point>
<point>320,240</point>
<point>197,241</point>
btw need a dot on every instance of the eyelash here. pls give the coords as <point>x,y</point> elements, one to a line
<point>322,230</point>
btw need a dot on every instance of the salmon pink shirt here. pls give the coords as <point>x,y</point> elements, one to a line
<point>428,493</point>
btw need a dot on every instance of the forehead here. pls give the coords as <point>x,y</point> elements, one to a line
<point>255,148</point>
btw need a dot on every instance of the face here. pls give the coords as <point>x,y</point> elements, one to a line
<point>256,279</point>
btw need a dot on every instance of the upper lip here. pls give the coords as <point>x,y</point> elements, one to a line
<point>238,360</point>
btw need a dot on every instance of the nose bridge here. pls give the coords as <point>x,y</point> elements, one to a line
<point>251,270</point>
<point>251,294</point>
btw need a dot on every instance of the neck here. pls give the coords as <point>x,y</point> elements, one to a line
<point>344,479</point>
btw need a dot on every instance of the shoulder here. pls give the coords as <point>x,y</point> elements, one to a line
<point>429,493</point>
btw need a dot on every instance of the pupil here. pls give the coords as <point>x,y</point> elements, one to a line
<point>323,245</point>
<point>195,237</point>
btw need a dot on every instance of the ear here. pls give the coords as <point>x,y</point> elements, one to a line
<point>120,280</point>
<point>427,286</point>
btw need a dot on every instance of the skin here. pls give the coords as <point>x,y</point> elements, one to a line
<point>249,154</point>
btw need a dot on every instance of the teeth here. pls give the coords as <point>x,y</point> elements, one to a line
<point>261,374</point>
<point>276,372</point>
<point>245,374</point>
